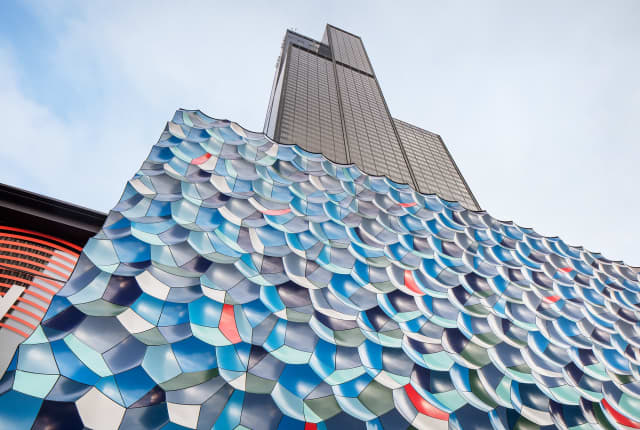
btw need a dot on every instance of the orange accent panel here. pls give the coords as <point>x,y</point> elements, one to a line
<point>228,324</point>
<point>201,159</point>
<point>423,406</point>
<point>410,282</point>
<point>277,211</point>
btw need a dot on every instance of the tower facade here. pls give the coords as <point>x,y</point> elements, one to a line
<point>326,99</point>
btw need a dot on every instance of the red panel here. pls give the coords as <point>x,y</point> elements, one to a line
<point>565,269</point>
<point>310,426</point>
<point>407,205</point>
<point>552,299</point>
<point>619,417</point>
<point>228,324</point>
<point>276,211</point>
<point>201,159</point>
<point>410,282</point>
<point>423,406</point>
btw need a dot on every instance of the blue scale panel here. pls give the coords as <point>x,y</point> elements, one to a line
<point>240,283</point>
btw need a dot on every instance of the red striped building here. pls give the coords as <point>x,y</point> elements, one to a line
<point>40,242</point>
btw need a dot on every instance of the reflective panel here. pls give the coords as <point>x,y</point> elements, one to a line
<point>242,283</point>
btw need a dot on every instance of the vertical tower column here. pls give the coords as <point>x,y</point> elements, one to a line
<point>372,141</point>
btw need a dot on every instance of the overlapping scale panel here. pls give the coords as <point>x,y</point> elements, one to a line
<point>240,283</point>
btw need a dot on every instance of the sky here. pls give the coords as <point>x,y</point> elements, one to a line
<point>538,102</point>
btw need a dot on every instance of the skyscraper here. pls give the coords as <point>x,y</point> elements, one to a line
<point>241,283</point>
<point>326,98</point>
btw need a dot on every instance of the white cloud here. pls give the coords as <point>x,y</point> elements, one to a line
<point>35,140</point>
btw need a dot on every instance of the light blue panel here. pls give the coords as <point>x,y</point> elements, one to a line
<point>160,363</point>
<point>36,337</point>
<point>92,359</point>
<point>228,358</point>
<point>34,384</point>
<point>288,403</point>
<point>276,338</point>
<point>101,252</point>
<point>93,291</point>
<point>205,312</point>
<point>211,335</point>
<point>37,359</point>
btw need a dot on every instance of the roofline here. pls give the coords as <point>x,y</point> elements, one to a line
<point>304,37</point>
<point>26,209</point>
<point>344,31</point>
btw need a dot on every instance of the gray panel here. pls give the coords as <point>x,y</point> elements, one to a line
<point>373,145</point>
<point>432,165</point>
<point>310,113</point>
<point>348,49</point>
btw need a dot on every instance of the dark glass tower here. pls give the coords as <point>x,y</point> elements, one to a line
<point>326,98</point>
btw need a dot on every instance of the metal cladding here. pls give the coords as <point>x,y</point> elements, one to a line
<point>240,283</point>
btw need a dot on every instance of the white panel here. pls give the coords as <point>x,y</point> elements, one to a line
<point>9,299</point>
<point>152,286</point>
<point>99,412</point>
<point>184,415</point>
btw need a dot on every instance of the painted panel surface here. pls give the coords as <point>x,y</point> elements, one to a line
<point>239,283</point>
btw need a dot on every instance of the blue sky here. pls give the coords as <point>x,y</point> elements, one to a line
<point>539,102</point>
